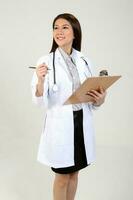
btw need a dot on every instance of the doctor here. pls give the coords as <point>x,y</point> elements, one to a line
<point>67,140</point>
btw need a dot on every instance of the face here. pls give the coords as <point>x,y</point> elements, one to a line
<point>63,33</point>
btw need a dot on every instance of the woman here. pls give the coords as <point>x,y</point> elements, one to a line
<point>67,141</point>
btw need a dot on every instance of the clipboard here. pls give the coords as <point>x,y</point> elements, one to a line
<point>92,83</point>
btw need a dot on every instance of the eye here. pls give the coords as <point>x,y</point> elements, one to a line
<point>65,27</point>
<point>55,27</point>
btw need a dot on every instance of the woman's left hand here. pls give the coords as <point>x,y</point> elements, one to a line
<point>98,97</point>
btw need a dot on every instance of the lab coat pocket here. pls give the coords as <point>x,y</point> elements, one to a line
<point>58,131</point>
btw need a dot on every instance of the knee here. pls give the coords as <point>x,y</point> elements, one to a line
<point>74,177</point>
<point>62,180</point>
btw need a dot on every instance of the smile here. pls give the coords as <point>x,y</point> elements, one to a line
<point>60,38</point>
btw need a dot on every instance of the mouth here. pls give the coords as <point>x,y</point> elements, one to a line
<point>60,38</point>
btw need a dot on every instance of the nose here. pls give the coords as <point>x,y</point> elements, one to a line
<point>60,31</point>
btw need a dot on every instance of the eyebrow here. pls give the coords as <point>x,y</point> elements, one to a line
<point>62,25</point>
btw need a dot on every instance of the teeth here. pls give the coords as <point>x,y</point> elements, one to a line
<point>60,38</point>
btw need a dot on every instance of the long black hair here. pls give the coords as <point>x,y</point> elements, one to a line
<point>76,30</point>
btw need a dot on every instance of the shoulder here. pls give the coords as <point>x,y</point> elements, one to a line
<point>76,53</point>
<point>44,59</point>
<point>79,55</point>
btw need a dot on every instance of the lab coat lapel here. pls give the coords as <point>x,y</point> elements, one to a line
<point>79,64</point>
<point>60,61</point>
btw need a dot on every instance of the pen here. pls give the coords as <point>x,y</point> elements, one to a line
<point>33,67</point>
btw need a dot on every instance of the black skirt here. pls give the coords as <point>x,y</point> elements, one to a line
<point>80,159</point>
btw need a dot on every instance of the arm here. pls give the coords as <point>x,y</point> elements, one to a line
<point>39,86</point>
<point>41,72</point>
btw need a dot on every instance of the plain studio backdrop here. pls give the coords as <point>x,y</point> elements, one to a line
<point>26,35</point>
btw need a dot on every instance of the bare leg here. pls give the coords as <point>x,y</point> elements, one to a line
<point>72,186</point>
<point>60,186</point>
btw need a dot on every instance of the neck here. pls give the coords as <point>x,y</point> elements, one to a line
<point>68,50</point>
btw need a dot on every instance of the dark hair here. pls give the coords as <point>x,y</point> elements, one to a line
<point>76,30</point>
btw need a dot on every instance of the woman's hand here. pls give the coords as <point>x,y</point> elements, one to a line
<point>98,97</point>
<point>41,71</point>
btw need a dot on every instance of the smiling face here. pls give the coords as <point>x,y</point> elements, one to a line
<point>63,34</point>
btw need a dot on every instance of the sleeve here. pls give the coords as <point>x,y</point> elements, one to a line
<point>94,107</point>
<point>41,101</point>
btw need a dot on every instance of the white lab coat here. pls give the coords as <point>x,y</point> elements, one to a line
<point>56,148</point>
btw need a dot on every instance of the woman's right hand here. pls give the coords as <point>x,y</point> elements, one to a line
<point>41,71</point>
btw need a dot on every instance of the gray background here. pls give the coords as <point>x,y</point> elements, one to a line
<point>25,35</point>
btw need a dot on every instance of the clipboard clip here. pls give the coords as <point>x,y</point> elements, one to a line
<point>103,73</point>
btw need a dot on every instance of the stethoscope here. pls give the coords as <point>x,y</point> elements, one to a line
<point>55,87</point>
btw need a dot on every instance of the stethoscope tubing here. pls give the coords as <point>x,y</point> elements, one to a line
<point>55,87</point>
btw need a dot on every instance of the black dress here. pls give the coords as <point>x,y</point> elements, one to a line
<point>80,159</point>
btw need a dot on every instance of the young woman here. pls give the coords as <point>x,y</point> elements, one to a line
<point>67,140</point>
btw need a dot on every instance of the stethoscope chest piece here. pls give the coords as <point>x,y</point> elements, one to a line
<point>55,88</point>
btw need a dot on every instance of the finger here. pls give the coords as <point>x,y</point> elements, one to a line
<point>41,72</point>
<point>94,96</point>
<point>42,69</point>
<point>42,66</point>
<point>101,90</point>
<point>94,92</point>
